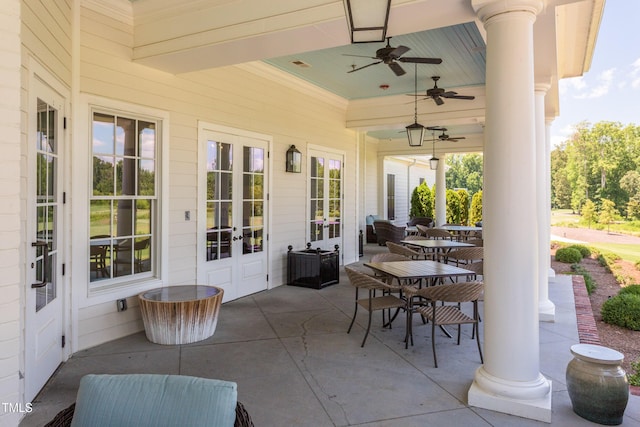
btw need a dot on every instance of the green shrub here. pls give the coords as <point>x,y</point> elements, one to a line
<point>607,259</point>
<point>634,379</point>
<point>630,289</point>
<point>637,265</point>
<point>589,283</point>
<point>568,255</point>
<point>584,250</point>
<point>622,310</point>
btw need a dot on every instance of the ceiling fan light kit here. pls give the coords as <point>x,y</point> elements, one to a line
<point>367,19</point>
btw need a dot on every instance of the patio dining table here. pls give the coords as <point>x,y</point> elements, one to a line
<point>418,270</point>
<point>439,247</point>
<point>462,231</point>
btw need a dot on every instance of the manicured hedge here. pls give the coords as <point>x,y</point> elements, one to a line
<point>622,310</point>
<point>568,255</point>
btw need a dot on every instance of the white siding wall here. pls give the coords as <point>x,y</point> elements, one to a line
<point>399,169</point>
<point>230,96</point>
<point>371,182</point>
<point>10,233</point>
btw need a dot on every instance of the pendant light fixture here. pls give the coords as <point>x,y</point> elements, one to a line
<point>367,20</point>
<point>433,162</point>
<point>415,131</point>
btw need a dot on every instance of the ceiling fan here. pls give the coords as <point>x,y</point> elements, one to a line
<point>437,93</point>
<point>391,56</point>
<point>443,136</point>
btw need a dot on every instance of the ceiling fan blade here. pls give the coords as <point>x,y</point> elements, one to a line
<point>397,69</point>
<point>359,56</point>
<point>449,94</point>
<point>456,139</point>
<point>365,66</point>
<point>399,51</point>
<point>438,128</point>
<point>438,100</point>
<point>462,97</point>
<point>421,60</point>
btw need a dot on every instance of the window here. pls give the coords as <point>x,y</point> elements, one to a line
<point>391,196</point>
<point>123,201</point>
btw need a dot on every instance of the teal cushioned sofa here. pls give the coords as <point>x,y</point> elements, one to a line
<point>155,400</point>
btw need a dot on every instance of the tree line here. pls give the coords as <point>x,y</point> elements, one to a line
<point>598,168</point>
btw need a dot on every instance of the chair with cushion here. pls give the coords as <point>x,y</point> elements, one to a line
<point>441,314</point>
<point>371,232</point>
<point>387,232</point>
<point>378,297</point>
<point>153,400</point>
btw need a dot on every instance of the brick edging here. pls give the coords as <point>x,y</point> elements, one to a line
<point>587,330</point>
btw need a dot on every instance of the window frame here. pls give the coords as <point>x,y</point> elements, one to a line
<point>82,158</point>
<point>119,196</point>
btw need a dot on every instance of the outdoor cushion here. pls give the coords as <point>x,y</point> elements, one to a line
<point>154,400</point>
<point>370,218</point>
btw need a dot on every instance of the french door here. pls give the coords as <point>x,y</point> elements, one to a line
<point>44,306</point>
<point>232,226</point>
<point>325,199</point>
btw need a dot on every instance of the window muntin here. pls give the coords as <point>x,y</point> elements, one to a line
<point>123,202</point>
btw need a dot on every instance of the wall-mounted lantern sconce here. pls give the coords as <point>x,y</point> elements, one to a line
<point>294,160</point>
<point>367,20</point>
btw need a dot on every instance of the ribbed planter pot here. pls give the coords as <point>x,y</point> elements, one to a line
<point>597,384</point>
<point>180,314</point>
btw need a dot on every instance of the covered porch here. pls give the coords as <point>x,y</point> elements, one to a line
<point>294,363</point>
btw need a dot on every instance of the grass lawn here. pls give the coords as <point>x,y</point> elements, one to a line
<point>627,252</point>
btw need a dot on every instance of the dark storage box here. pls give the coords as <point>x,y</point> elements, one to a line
<point>312,268</point>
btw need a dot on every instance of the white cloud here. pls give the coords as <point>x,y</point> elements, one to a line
<point>575,83</point>
<point>602,88</point>
<point>635,74</point>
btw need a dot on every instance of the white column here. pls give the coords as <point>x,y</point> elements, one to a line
<point>510,380</point>
<point>547,175</point>
<point>441,192</point>
<point>11,284</point>
<point>546,308</point>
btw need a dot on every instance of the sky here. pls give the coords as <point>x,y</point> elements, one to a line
<point>610,90</point>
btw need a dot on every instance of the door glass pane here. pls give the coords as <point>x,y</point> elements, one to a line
<point>46,203</point>
<point>219,200</point>
<point>335,197</point>
<point>253,199</point>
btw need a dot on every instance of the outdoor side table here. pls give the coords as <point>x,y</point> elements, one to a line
<point>180,314</point>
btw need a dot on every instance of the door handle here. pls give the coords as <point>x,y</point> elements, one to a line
<point>45,263</point>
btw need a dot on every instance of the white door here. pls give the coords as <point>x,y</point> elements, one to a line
<point>44,315</point>
<point>325,199</point>
<point>232,226</point>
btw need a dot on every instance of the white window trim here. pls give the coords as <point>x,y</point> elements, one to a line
<point>84,296</point>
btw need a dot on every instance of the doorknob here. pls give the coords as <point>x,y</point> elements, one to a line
<point>45,263</point>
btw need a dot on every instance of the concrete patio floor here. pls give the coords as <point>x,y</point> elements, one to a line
<point>295,365</point>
